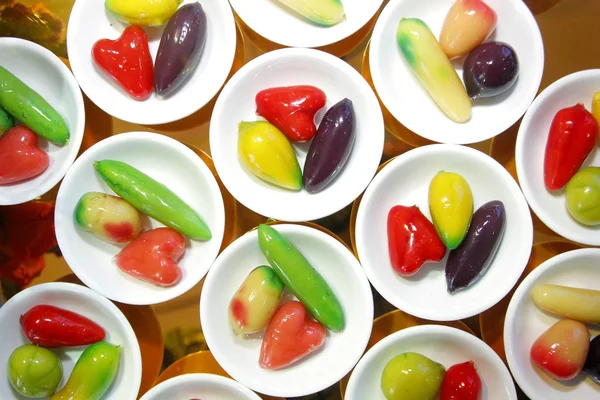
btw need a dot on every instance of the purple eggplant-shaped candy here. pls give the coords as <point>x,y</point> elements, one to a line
<point>330,148</point>
<point>469,261</point>
<point>180,48</point>
<point>592,363</point>
<point>490,69</point>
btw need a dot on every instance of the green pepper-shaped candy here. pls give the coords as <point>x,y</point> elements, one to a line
<point>6,121</point>
<point>152,198</point>
<point>93,374</point>
<point>301,278</point>
<point>26,105</point>
<point>34,371</point>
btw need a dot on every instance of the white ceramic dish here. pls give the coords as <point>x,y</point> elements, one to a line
<point>525,322</point>
<point>405,181</point>
<point>442,344</point>
<point>409,103</point>
<point>551,207</point>
<point>90,21</point>
<point>281,25</point>
<point>200,386</point>
<point>240,357</point>
<point>290,67</point>
<point>45,73</point>
<point>170,163</point>
<point>83,301</point>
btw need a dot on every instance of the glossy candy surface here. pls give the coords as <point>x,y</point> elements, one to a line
<point>51,326</point>
<point>573,135</point>
<point>583,196</point>
<point>412,240</point>
<point>411,376</point>
<point>93,374</point>
<point>152,198</point>
<point>108,217</point>
<point>6,121</point>
<point>127,61</point>
<point>596,106</point>
<point>569,302</point>
<point>467,25</point>
<point>461,382</point>
<point>180,48</point>
<point>471,259</point>
<point>291,109</point>
<point>330,148</point>
<point>268,154</point>
<point>301,278</point>
<point>490,70</point>
<point>322,12</point>
<point>255,302</point>
<point>31,109</point>
<point>20,156</point>
<point>153,257</point>
<point>143,12</point>
<point>561,351</point>
<point>451,207</point>
<point>431,66</point>
<point>34,371</point>
<point>290,336</point>
<point>592,362</point>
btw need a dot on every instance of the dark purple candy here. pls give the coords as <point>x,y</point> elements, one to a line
<point>469,261</point>
<point>330,148</point>
<point>491,69</point>
<point>180,48</point>
<point>592,363</point>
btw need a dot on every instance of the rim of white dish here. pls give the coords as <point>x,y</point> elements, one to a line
<point>389,169</point>
<point>182,287</point>
<point>586,238</point>
<point>516,300</point>
<point>76,134</point>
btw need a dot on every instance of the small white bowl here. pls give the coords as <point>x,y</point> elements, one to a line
<point>91,305</point>
<point>290,67</point>
<point>170,163</point>
<point>45,73</point>
<point>90,21</point>
<point>200,386</point>
<point>409,102</point>
<point>280,25</point>
<point>240,357</point>
<point>551,207</point>
<point>405,181</point>
<point>442,344</point>
<point>525,322</point>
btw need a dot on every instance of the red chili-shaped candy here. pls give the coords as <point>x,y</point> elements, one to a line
<point>51,326</point>
<point>461,382</point>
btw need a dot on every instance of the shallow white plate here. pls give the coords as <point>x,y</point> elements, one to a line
<point>525,322</point>
<point>279,24</point>
<point>411,105</point>
<point>342,350</point>
<point>91,305</point>
<point>200,386</point>
<point>442,344</point>
<point>90,21</point>
<point>290,67</point>
<point>45,73</point>
<point>405,181</point>
<point>170,163</point>
<point>551,207</point>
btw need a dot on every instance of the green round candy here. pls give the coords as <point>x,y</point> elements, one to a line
<point>34,371</point>
<point>583,196</point>
<point>411,376</point>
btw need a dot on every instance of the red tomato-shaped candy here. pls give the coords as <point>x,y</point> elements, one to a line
<point>461,382</point>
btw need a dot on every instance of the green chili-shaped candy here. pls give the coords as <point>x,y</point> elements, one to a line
<point>6,121</point>
<point>152,198</point>
<point>27,106</point>
<point>93,374</point>
<point>301,278</point>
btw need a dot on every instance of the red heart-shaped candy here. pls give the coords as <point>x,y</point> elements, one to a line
<point>20,156</point>
<point>153,257</point>
<point>128,61</point>
<point>291,336</point>
<point>291,109</point>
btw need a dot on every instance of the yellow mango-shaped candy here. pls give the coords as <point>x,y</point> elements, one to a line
<point>143,12</point>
